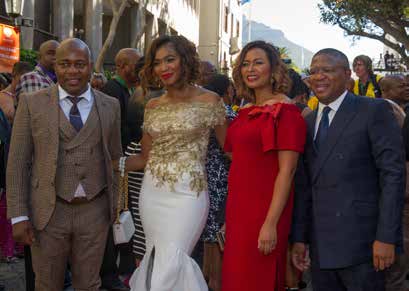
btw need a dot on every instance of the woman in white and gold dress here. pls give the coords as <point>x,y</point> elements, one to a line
<point>174,201</point>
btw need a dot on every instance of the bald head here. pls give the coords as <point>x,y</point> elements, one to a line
<point>47,45</point>
<point>73,67</point>
<point>395,88</point>
<point>72,44</point>
<point>125,61</point>
<point>46,56</point>
<point>126,55</point>
<point>335,55</point>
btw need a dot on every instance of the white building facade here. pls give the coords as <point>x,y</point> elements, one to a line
<point>220,32</point>
<point>90,21</point>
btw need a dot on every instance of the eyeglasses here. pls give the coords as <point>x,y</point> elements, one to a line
<point>76,65</point>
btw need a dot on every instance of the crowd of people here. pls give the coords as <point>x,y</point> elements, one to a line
<point>241,184</point>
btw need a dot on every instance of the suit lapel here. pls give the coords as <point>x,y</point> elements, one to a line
<point>311,119</point>
<point>103,116</point>
<point>52,112</point>
<point>342,118</point>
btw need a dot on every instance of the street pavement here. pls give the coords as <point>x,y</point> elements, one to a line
<point>13,279</point>
<point>12,276</point>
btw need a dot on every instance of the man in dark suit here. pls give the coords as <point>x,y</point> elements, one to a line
<point>121,87</point>
<point>350,184</point>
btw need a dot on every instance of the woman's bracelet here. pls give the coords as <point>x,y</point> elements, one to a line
<point>121,166</point>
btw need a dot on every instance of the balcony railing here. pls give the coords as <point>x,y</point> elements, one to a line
<point>392,65</point>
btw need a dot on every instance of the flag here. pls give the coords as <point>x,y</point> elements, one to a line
<point>244,1</point>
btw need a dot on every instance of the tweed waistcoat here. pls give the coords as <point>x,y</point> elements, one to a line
<point>80,157</point>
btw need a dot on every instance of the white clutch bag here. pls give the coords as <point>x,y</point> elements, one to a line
<point>123,227</point>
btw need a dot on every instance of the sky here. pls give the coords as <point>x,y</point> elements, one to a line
<point>300,22</point>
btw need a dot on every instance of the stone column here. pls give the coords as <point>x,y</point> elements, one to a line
<point>138,21</point>
<point>135,24</point>
<point>27,33</point>
<point>151,30</point>
<point>63,18</point>
<point>93,26</point>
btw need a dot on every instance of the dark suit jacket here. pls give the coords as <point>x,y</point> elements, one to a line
<point>351,192</point>
<point>405,133</point>
<point>115,89</point>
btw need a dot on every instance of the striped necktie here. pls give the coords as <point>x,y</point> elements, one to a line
<point>75,116</point>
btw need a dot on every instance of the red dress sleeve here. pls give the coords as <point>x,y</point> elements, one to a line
<point>285,130</point>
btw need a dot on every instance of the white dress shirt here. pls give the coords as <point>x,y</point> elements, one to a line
<point>334,105</point>
<point>84,107</point>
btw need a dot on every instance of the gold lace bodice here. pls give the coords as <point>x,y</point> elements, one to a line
<point>180,135</point>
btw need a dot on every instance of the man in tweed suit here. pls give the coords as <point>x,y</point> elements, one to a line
<point>43,75</point>
<point>61,188</point>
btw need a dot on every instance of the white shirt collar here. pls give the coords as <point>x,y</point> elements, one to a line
<point>86,95</point>
<point>334,105</point>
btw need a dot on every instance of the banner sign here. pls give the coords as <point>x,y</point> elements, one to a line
<point>9,47</point>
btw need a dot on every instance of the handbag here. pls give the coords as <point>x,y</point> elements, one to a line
<point>123,228</point>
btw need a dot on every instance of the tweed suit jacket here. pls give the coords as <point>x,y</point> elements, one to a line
<point>33,157</point>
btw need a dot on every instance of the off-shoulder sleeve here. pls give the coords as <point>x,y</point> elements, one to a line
<point>145,125</point>
<point>286,131</point>
<point>217,114</point>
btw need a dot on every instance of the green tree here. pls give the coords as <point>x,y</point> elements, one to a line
<point>29,56</point>
<point>285,56</point>
<point>373,19</point>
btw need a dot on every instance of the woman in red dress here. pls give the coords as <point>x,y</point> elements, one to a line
<point>265,141</point>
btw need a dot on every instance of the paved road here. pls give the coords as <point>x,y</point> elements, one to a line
<point>12,276</point>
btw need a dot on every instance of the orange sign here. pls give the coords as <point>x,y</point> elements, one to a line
<point>9,47</point>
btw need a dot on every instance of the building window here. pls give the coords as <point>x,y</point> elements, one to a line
<point>3,13</point>
<point>226,19</point>
<point>238,28</point>
<point>43,29</point>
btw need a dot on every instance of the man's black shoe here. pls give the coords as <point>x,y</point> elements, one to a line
<point>67,279</point>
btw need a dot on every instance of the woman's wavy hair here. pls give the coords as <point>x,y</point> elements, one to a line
<point>281,82</point>
<point>187,52</point>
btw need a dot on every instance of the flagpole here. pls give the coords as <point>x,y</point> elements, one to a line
<point>249,24</point>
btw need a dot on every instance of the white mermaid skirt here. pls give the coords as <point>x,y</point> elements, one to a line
<point>173,222</point>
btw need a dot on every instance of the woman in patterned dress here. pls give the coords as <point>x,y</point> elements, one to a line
<point>217,169</point>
